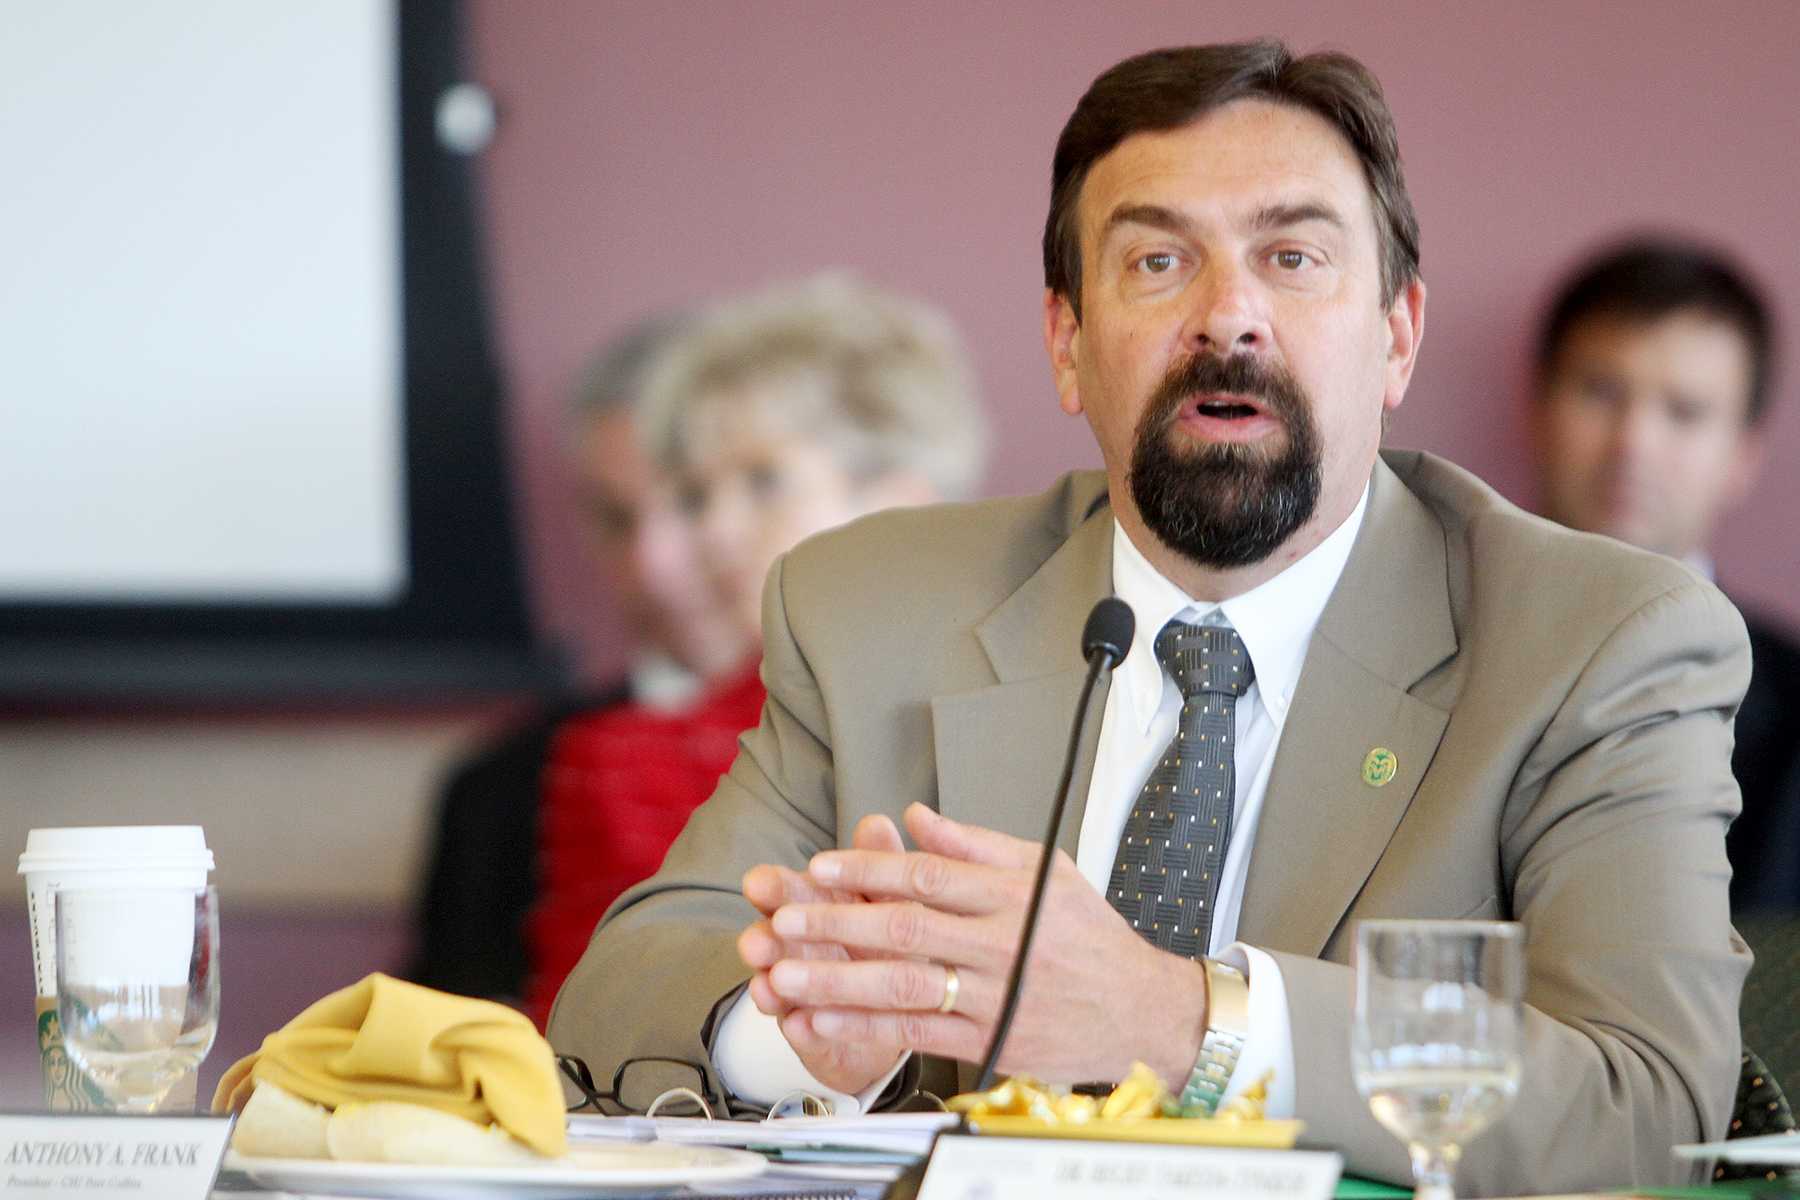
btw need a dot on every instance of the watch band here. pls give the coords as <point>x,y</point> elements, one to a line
<point>1227,1025</point>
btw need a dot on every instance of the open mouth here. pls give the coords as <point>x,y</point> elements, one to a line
<point>1229,410</point>
<point>1227,417</point>
<point>1226,407</point>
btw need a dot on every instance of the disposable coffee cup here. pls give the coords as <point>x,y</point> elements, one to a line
<point>106,856</point>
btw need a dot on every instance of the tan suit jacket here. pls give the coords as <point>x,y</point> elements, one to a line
<point>1560,706</point>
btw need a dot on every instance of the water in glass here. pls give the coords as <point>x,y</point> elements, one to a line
<point>1436,1043</point>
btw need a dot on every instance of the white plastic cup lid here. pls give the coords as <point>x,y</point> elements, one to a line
<point>101,846</point>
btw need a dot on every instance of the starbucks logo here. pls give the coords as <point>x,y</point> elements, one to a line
<point>66,1088</point>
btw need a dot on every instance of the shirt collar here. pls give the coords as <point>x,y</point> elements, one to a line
<point>658,682</point>
<point>1276,619</point>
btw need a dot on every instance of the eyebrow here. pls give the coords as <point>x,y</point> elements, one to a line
<point>1156,216</point>
<point>1270,216</point>
<point>1282,216</point>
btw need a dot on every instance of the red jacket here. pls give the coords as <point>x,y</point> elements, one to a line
<point>618,788</point>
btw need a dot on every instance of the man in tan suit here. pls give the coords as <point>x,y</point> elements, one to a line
<point>1456,710</point>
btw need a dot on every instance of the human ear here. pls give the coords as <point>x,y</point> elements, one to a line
<point>1406,329</point>
<point>1062,340</point>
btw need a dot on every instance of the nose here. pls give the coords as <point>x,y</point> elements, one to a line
<point>1229,315</point>
<point>1637,432</point>
<point>724,524</point>
<point>662,554</point>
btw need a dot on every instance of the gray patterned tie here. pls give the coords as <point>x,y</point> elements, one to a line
<point>1165,878</point>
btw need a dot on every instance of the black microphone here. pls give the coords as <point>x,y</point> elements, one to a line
<point>1105,639</point>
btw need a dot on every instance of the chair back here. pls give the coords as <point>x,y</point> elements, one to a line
<point>1770,1015</point>
<point>1770,1011</point>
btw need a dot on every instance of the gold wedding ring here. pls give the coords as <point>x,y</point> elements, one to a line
<point>952,985</point>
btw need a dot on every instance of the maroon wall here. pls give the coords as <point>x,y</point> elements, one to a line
<point>651,154</point>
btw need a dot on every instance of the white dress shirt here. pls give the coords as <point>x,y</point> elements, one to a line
<point>1276,621</point>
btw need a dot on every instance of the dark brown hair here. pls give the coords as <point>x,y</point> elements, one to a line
<point>1166,89</point>
<point>1648,278</point>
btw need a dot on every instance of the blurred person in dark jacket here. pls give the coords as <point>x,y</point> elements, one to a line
<point>1652,396</point>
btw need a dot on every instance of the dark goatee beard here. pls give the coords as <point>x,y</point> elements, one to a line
<point>1227,504</point>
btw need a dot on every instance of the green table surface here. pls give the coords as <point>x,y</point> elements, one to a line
<point>1353,1187</point>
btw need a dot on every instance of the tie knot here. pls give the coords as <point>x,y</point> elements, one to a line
<point>1205,658</point>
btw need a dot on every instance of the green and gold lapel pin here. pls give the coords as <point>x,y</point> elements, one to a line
<point>1379,767</point>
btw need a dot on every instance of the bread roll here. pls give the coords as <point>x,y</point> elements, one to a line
<point>386,1131</point>
<point>276,1123</point>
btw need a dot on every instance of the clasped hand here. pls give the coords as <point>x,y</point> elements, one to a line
<point>850,956</point>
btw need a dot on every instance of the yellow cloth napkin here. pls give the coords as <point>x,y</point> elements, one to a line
<point>386,1039</point>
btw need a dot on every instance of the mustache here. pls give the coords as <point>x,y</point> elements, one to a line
<point>1236,374</point>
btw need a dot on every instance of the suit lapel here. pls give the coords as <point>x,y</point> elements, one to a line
<point>1000,748</point>
<point>1323,826</point>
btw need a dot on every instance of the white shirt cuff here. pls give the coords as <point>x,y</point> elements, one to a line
<point>1269,1045</point>
<point>756,1064</point>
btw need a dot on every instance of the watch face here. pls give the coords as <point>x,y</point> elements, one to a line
<point>1228,1000</point>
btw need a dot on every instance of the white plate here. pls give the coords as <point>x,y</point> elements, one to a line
<point>584,1171</point>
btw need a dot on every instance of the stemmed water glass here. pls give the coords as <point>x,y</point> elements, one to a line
<point>1436,1039</point>
<point>137,983</point>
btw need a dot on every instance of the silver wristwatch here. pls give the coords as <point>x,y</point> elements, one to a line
<point>1227,1024</point>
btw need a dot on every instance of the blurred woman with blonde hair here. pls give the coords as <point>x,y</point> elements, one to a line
<point>784,413</point>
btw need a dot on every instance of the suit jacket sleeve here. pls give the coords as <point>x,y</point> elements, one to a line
<point>665,953</point>
<point>1611,847</point>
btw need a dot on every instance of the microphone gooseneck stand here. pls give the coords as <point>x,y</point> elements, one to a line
<point>1105,639</point>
